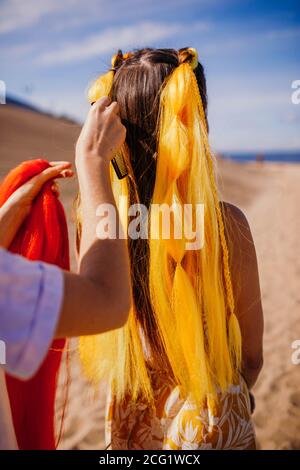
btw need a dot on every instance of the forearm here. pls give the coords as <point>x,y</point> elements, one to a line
<point>104,261</point>
<point>89,308</point>
<point>7,436</point>
<point>102,288</point>
<point>11,218</point>
<point>98,299</point>
<point>95,189</point>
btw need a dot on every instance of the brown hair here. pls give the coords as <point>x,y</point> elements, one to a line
<point>136,87</point>
<point>182,296</point>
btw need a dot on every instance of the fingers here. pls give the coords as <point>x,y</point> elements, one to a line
<point>55,189</point>
<point>65,174</point>
<point>113,107</point>
<point>122,132</point>
<point>102,103</point>
<point>63,167</point>
<point>61,162</point>
<point>57,170</point>
<point>103,132</point>
<point>105,104</point>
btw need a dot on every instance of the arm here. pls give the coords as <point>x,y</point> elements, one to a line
<point>8,439</point>
<point>99,298</point>
<point>41,301</point>
<point>246,289</point>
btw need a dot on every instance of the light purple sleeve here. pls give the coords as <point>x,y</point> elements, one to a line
<point>30,300</point>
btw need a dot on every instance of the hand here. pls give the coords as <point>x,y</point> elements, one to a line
<point>26,193</point>
<point>18,205</point>
<point>102,133</point>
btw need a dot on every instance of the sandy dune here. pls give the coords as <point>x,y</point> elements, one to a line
<point>270,195</point>
<point>274,217</point>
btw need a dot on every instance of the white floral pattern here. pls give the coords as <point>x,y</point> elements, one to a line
<point>177,424</point>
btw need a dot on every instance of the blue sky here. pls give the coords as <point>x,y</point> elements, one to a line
<point>51,49</point>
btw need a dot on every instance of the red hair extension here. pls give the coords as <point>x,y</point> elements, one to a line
<point>42,236</point>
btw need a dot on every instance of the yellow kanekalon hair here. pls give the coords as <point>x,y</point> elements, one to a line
<point>191,291</point>
<point>103,83</point>
<point>102,86</point>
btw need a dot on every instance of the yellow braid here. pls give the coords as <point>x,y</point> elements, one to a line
<point>190,290</point>
<point>234,330</point>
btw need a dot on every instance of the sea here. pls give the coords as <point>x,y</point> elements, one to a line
<point>279,157</point>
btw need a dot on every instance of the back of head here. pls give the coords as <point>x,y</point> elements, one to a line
<point>182,298</point>
<point>137,85</point>
<point>135,81</point>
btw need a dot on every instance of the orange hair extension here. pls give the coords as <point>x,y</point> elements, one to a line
<point>42,236</point>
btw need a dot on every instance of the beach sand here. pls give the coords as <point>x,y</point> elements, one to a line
<point>269,194</point>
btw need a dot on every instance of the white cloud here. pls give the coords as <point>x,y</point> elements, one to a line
<point>19,14</point>
<point>243,40</point>
<point>17,51</point>
<point>62,103</point>
<point>137,35</point>
<point>16,14</point>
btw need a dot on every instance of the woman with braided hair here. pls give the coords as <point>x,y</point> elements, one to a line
<point>180,370</point>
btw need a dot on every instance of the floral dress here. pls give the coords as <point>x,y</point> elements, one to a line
<point>175,423</point>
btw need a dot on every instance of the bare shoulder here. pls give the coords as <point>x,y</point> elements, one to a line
<point>242,258</point>
<point>233,214</point>
<point>238,231</point>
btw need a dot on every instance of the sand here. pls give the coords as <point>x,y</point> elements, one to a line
<point>274,218</point>
<point>269,194</point>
